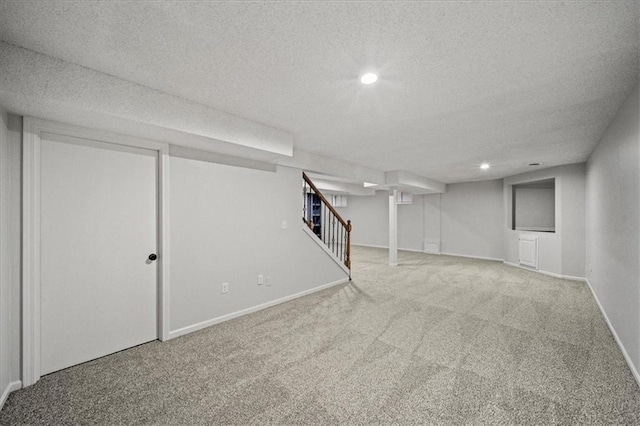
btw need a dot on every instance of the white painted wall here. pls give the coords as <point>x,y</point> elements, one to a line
<point>10,155</point>
<point>466,220</point>
<point>410,224</point>
<point>431,223</point>
<point>562,252</point>
<point>613,225</point>
<point>226,226</point>
<point>471,219</point>
<point>535,208</point>
<point>369,217</point>
<point>574,221</point>
<point>474,219</point>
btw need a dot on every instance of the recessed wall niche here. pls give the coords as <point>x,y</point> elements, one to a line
<point>534,206</point>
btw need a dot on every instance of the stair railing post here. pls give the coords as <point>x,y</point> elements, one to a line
<point>348,262</point>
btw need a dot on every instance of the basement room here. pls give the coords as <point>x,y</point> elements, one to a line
<point>319,213</point>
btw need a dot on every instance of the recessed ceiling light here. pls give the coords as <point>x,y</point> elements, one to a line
<point>368,78</point>
<point>484,166</point>
<point>369,184</point>
<point>534,164</point>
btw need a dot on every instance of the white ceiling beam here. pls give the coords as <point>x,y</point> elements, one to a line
<point>407,181</point>
<point>334,187</point>
<point>333,167</point>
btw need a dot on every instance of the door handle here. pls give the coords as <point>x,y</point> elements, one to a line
<point>153,257</point>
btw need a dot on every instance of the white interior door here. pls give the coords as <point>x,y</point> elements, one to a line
<point>98,218</point>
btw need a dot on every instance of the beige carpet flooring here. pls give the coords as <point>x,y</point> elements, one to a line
<point>436,340</point>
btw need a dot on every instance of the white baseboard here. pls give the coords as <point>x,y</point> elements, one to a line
<point>370,245</point>
<point>12,386</point>
<point>564,277</point>
<point>431,246</point>
<point>494,259</point>
<point>551,274</point>
<point>387,247</point>
<point>223,318</point>
<point>627,358</point>
<point>431,251</point>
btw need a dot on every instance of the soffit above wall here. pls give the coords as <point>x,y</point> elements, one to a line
<point>334,187</point>
<point>539,184</point>
<point>37,85</point>
<point>409,182</point>
<point>398,179</point>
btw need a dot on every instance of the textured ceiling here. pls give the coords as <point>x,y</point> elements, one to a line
<point>460,83</point>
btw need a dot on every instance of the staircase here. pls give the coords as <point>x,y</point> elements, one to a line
<point>325,222</point>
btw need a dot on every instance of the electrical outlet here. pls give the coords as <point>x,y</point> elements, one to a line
<point>268,281</point>
<point>260,279</point>
<point>225,288</point>
<point>284,224</point>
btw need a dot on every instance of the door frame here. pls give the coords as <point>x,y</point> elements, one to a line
<point>31,143</point>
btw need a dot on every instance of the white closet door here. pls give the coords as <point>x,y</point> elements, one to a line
<point>98,228</point>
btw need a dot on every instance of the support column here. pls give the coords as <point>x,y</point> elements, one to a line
<point>393,228</point>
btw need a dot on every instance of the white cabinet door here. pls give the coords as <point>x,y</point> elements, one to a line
<point>98,228</point>
<point>529,250</point>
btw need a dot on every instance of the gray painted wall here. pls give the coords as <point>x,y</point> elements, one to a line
<point>613,225</point>
<point>370,220</point>
<point>410,224</point>
<point>10,200</point>
<point>474,219</point>
<point>369,217</point>
<point>535,208</point>
<point>431,223</point>
<point>466,220</point>
<point>226,226</point>
<point>471,219</point>
<point>562,252</point>
<point>573,225</point>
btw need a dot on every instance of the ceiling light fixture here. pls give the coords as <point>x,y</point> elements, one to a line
<point>485,166</point>
<point>368,78</point>
<point>369,184</point>
<point>534,164</point>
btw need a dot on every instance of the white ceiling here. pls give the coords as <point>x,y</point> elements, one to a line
<point>460,83</point>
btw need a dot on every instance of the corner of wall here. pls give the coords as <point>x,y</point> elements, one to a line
<point>10,234</point>
<point>612,198</point>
